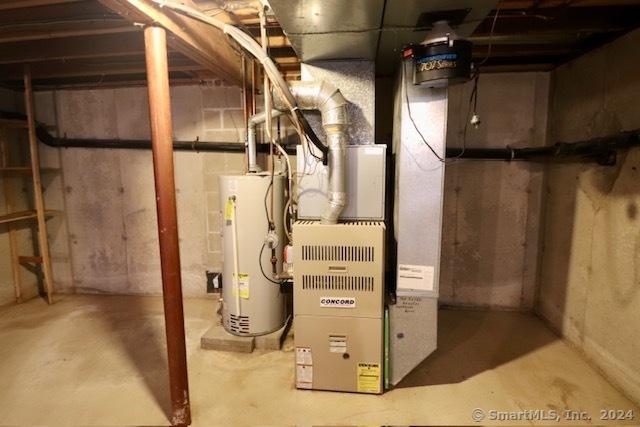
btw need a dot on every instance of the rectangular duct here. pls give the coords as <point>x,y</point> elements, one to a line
<point>418,208</point>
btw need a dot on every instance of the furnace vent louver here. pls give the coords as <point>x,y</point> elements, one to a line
<point>337,283</point>
<point>337,253</point>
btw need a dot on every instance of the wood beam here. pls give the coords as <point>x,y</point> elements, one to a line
<point>97,67</point>
<point>133,81</point>
<point>43,240</point>
<point>89,27</point>
<point>19,4</point>
<point>567,20</point>
<point>83,47</point>
<point>196,40</point>
<point>537,4</point>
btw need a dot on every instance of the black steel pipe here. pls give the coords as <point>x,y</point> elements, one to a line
<point>602,150</point>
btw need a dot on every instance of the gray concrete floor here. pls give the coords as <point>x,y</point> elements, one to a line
<point>101,360</point>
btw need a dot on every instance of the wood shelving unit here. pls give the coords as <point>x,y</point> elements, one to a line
<point>39,214</point>
<point>16,170</point>
<point>24,215</point>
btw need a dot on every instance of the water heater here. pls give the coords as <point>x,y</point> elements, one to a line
<point>252,304</point>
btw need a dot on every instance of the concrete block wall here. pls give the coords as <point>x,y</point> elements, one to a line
<point>589,287</point>
<point>107,239</point>
<point>492,208</point>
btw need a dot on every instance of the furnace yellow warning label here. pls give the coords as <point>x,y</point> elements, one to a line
<point>368,378</point>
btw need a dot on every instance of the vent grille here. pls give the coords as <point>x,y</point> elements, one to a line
<point>337,253</point>
<point>344,223</point>
<point>239,324</point>
<point>337,283</point>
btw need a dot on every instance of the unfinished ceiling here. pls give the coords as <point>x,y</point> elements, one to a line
<point>99,43</point>
<point>533,34</point>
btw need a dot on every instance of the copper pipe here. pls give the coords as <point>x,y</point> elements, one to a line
<point>155,41</point>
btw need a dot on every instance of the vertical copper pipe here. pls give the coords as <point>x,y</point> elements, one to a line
<point>155,40</point>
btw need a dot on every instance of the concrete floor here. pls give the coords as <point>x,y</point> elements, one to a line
<point>101,360</point>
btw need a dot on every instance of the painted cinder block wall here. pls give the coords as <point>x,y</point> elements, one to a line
<point>589,284</point>
<point>106,240</point>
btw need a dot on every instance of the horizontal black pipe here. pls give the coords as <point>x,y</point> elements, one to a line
<point>145,144</point>
<point>139,144</point>
<point>603,150</point>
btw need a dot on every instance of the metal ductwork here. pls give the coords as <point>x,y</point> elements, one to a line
<point>328,100</point>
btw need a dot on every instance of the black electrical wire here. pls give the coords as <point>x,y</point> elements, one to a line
<point>406,95</point>
<point>269,228</point>
<point>493,26</point>
<point>306,127</point>
<point>473,99</point>
<point>266,207</point>
<point>262,269</point>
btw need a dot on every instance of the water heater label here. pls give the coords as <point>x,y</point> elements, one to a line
<point>337,302</point>
<point>243,285</point>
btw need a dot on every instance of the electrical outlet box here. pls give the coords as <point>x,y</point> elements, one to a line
<point>214,282</point>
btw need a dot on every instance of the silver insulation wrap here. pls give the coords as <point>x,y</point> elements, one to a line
<point>328,100</point>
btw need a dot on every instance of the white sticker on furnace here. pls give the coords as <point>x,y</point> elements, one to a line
<point>415,277</point>
<point>304,367</point>
<point>303,356</point>
<point>304,376</point>
<point>338,302</point>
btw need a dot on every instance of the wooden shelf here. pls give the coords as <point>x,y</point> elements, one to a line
<point>24,170</point>
<point>13,123</point>
<point>23,215</point>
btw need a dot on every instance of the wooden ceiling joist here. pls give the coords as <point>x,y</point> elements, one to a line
<point>19,4</point>
<point>89,27</point>
<point>196,40</point>
<point>82,47</point>
<point>97,67</point>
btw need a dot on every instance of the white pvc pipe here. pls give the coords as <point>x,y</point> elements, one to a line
<point>236,261</point>
<point>254,121</point>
